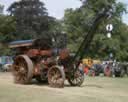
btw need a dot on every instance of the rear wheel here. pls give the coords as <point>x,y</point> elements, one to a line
<point>22,69</point>
<point>56,77</point>
<point>108,72</point>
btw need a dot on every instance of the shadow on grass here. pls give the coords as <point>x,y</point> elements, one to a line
<point>89,85</point>
<point>93,85</point>
<point>42,83</point>
<point>45,83</point>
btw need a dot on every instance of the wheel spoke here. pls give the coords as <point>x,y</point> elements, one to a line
<point>78,78</point>
<point>20,69</point>
<point>55,78</point>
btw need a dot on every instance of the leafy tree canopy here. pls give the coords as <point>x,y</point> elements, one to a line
<point>31,18</point>
<point>77,23</point>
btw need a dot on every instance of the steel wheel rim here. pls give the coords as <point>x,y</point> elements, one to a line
<point>56,77</point>
<point>20,70</point>
<point>78,77</point>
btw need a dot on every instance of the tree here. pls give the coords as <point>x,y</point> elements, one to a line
<point>31,18</point>
<point>78,21</point>
<point>58,34</point>
<point>1,9</point>
<point>7,27</point>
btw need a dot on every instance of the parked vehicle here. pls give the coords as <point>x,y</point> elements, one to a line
<point>96,70</point>
<point>7,67</point>
<point>115,69</point>
<point>92,67</point>
<point>5,63</point>
<point>120,69</point>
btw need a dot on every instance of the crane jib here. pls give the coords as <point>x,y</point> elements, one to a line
<point>89,37</point>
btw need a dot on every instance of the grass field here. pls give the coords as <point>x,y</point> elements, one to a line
<point>99,89</point>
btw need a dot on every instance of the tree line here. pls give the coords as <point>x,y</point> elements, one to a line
<point>29,19</point>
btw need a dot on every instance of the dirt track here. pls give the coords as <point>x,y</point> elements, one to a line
<point>99,89</point>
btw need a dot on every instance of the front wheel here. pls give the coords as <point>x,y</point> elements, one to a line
<point>56,77</point>
<point>78,78</point>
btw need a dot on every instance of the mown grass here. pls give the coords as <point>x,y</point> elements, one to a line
<point>94,89</point>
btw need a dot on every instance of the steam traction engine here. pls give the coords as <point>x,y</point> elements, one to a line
<point>37,59</point>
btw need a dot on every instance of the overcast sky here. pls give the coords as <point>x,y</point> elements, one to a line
<point>56,7</point>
